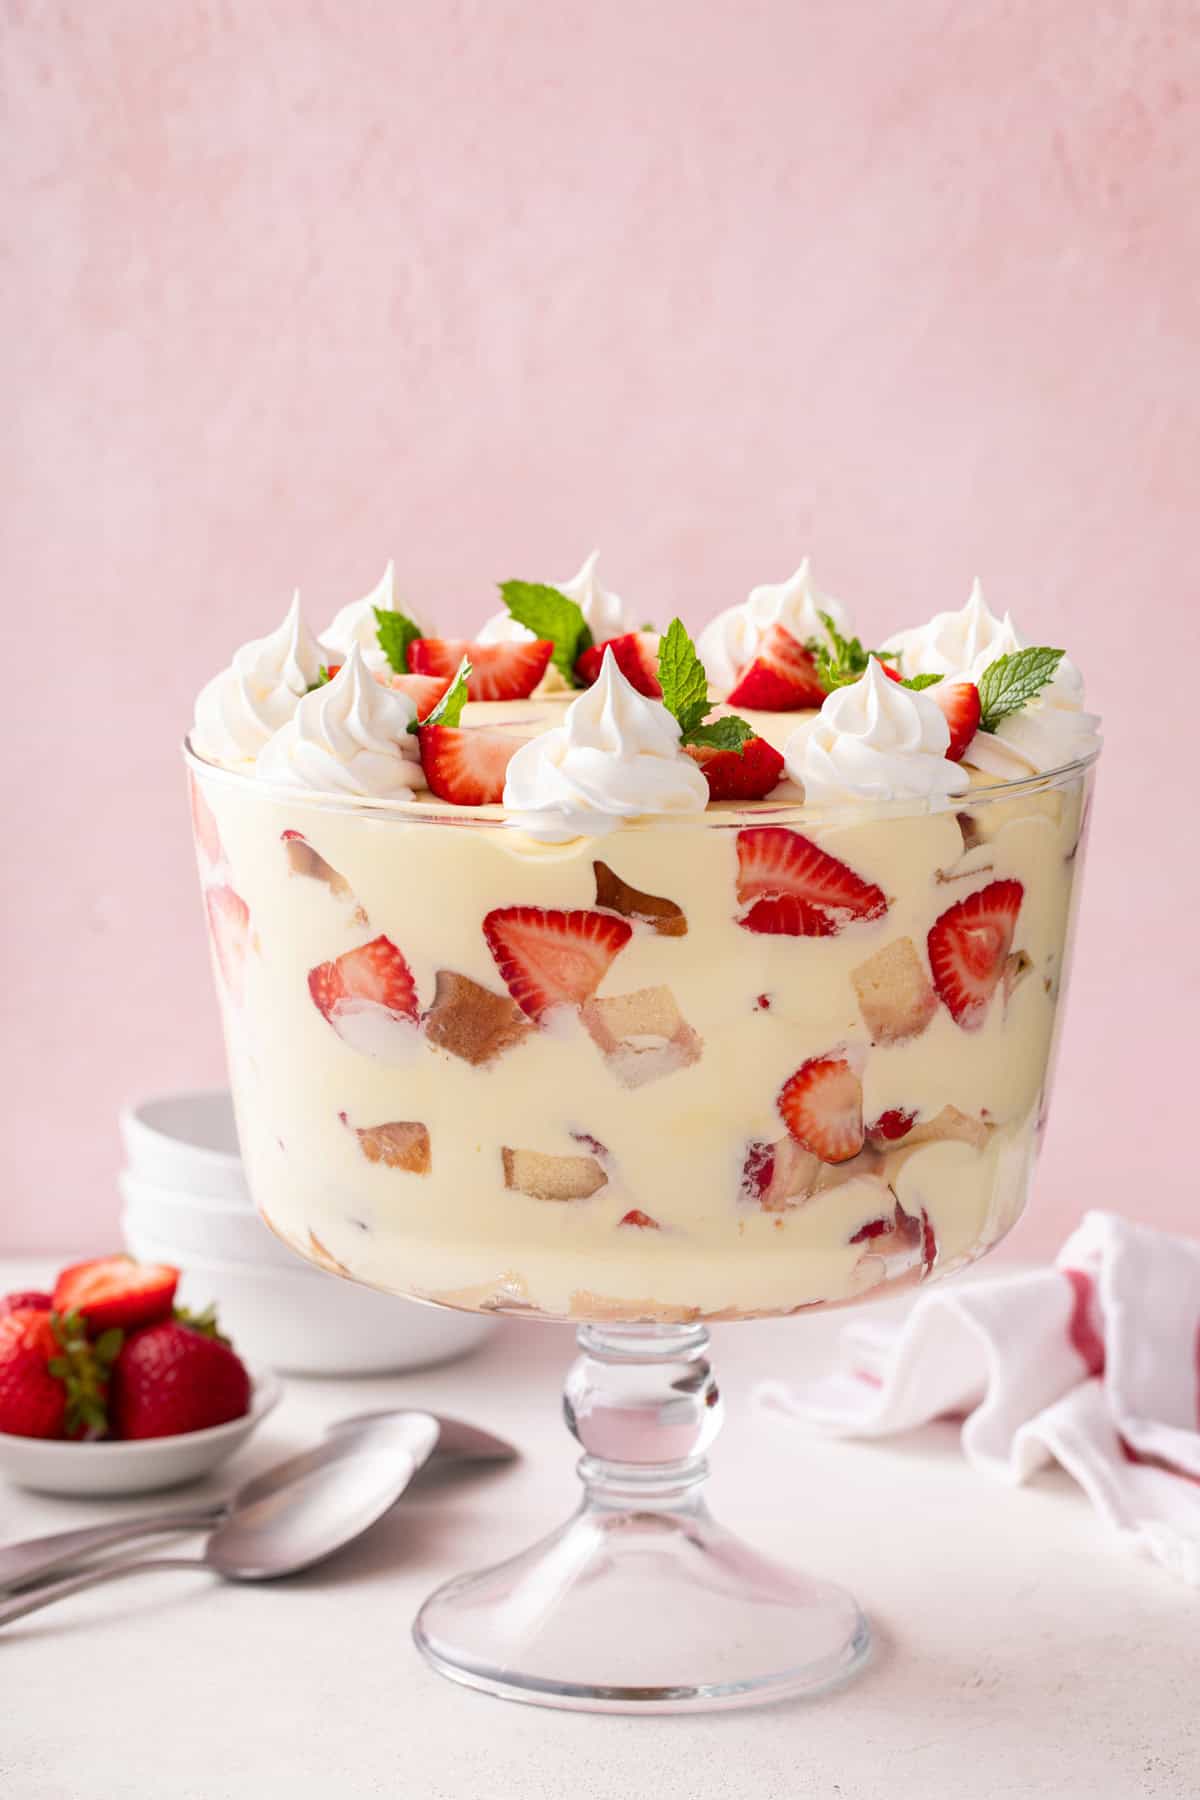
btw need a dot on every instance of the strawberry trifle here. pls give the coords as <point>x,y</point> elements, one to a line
<point>578,970</point>
<point>621,981</point>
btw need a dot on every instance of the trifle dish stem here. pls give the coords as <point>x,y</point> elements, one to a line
<point>642,1602</point>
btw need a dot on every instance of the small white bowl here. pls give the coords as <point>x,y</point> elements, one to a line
<point>196,1226</point>
<point>53,1466</point>
<point>188,1142</point>
<point>305,1322</point>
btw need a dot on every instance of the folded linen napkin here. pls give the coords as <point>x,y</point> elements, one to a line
<point>1094,1363</point>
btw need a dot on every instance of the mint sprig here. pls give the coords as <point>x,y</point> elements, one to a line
<point>1012,681</point>
<point>448,710</point>
<point>550,614</point>
<point>684,684</point>
<point>841,660</point>
<point>323,679</point>
<point>396,631</point>
<point>917,682</point>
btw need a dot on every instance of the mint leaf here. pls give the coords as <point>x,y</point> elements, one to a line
<point>842,660</point>
<point>448,710</point>
<point>1011,681</point>
<point>684,684</point>
<point>323,678</point>
<point>917,682</point>
<point>682,678</point>
<point>549,614</point>
<point>730,733</point>
<point>396,631</point>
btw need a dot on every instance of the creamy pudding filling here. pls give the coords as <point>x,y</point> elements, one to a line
<point>641,1004</point>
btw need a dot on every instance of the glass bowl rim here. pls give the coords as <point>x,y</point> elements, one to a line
<point>795,813</point>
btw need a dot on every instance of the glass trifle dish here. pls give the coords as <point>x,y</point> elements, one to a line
<point>580,972</point>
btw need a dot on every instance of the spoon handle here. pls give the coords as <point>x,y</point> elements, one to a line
<point>36,1598</point>
<point>40,1556</point>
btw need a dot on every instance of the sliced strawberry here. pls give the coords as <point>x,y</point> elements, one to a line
<point>636,654</point>
<point>821,1105</point>
<point>748,774</point>
<point>872,1229</point>
<point>116,1290</point>
<point>26,1300</point>
<point>635,1216</point>
<point>782,677</point>
<point>467,767</point>
<point>204,826</point>
<point>376,973</point>
<point>959,700</point>
<point>968,948</point>
<point>423,690</point>
<point>553,958</point>
<point>758,1170</point>
<point>890,1126</point>
<point>797,889</point>
<point>498,671</point>
<point>229,924</point>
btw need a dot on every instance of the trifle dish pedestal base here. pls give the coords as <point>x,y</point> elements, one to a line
<point>641,1602</point>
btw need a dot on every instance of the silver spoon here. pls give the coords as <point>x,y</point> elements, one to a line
<point>457,1444</point>
<point>338,1494</point>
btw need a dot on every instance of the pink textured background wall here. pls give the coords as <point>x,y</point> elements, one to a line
<point>293,286</point>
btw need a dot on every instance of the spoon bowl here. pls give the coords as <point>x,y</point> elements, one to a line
<point>331,1500</point>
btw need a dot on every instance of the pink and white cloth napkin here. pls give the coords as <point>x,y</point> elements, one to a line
<point>1094,1363</point>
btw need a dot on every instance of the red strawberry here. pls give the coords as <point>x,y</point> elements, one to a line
<point>553,958</point>
<point>890,1125</point>
<point>782,678</point>
<point>821,1105</point>
<point>375,972</point>
<point>758,1170</point>
<point>32,1300</point>
<point>635,1216</point>
<point>116,1290</point>
<point>33,1402</point>
<point>959,700</point>
<point>749,774</point>
<point>173,1377</point>
<point>52,1381</point>
<point>498,671</point>
<point>466,767</point>
<point>229,925</point>
<point>799,890</point>
<point>423,690</point>
<point>872,1229</point>
<point>968,947</point>
<point>636,654</point>
<point>204,826</point>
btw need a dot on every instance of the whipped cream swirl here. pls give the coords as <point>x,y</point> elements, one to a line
<point>605,612</point>
<point>952,643</point>
<point>349,737</point>
<point>1048,731</point>
<point>876,740</point>
<point>731,640</point>
<point>242,707</point>
<point>615,756</point>
<point>357,624</point>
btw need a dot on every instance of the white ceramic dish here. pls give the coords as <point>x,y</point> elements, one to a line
<point>53,1466</point>
<point>300,1320</point>
<point>186,1142</point>
<point>205,1227</point>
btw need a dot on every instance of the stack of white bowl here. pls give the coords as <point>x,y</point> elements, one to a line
<point>187,1204</point>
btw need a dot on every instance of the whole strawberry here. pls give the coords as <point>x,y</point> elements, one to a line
<point>52,1381</point>
<point>178,1375</point>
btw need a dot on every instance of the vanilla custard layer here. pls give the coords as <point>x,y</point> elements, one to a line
<point>675,1147</point>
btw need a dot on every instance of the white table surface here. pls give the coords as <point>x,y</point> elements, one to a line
<point>1018,1651</point>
